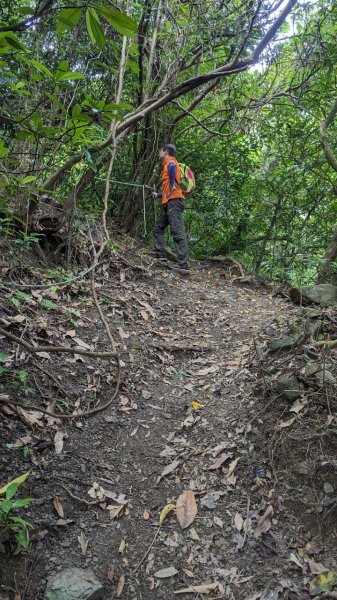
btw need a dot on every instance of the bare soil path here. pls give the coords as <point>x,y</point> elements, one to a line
<point>187,404</point>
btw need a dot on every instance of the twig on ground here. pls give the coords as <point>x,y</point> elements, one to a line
<point>148,550</point>
<point>94,502</point>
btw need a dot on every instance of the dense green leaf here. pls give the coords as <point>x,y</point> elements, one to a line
<point>94,28</point>
<point>119,21</point>
<point>68,19</point>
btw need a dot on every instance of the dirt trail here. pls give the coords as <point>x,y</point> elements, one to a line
<point>189,374</point>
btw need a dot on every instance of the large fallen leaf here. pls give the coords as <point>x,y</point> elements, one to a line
<point>207,588</point>
<point>220,460</point>
<point>120,587</point>
<point>58,507</point>
<point>315,567</point>
<point>186,509</point>
<point>83,542</point>
<point>165,512</point>
<point>238,521</point>
<point>164,573</point>
<point>168,469</point>
<point>58,441</point>
<point>18,481</point>
<point>207,370</point>
<point>323,583</point>
<point>284,424</point>
<point>298,405</point>
<point>264,523</point>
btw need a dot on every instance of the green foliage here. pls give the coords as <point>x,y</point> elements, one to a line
<point>12,525</point>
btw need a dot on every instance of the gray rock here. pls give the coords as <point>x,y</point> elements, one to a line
<point>74,584</point>
<point>281,343</point>
<point>290,388</point>
<point>324,293</point>
<point>302,468</point>
<point>320,372</point>
<point>328,488</point>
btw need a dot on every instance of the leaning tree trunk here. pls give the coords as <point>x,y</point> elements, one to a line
<point>327,272</point>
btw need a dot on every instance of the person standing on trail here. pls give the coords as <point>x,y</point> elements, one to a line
<point>172,198</point>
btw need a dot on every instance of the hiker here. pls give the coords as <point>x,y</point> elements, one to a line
<point>172,198</point>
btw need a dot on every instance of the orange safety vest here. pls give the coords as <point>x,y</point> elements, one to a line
<point>177,192</point>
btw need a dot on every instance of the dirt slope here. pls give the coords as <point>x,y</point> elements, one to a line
<point>187,400</point>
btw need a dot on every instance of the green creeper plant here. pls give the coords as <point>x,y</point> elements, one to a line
<point>12,525</point>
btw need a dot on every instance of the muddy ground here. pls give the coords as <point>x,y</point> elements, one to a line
<point>193,398</point>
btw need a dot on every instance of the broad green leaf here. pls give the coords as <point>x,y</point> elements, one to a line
<point>56,101</point>
<point>69,76</point>
<point>11,40</point>
<point>94,28</point>
<point>6,506</point>
<point>41,67</point>
<point>18,480</point>
<point>11,491</point>
<point>119,21</point>
<point>76,111</point>
<point>28,179</point>
<point>22,502</point>
<point>68,19</point>
<point>3,150</point>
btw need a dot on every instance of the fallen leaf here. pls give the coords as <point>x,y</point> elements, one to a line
<point>164,573</point>
<point>120,587</point>
<point>83,542</point>
<point>58,507</point>
<point>298,405</point>
<point>186,509</point>
<point>219,461</point>
<point>322,583</point>
<point>207,370</point>
<point>238,521</point>
<point>316,568</point>
<point>267,546</point>
<point>144,315</point>
<point>19,480</point>
<point>207,588</point>
<point>232,467</point>
<point>122,547</point>
<point>284,424</point>
<point>58,441</point>
<point>264,524</point>
<point>111,574</point>
<point>219,448</point>
<point>165,512</point>
<point>168,469</point>
<point>146,515</point>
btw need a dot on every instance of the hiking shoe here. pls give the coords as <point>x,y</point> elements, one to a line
<point>182,269</point>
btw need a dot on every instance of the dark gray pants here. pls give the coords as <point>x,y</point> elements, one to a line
<point>172,215</point>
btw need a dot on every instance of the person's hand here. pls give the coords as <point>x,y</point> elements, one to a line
<point>154,195</point>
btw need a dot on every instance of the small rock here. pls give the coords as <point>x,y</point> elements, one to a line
<point>328,488</point>
<point>282,343</point>
<point>74,584</point>
<point>302,468</point>
<point>324,293</point>
<point>290,388</point>
<point>146,394</point>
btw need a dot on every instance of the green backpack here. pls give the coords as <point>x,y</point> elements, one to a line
<point>187,181</point>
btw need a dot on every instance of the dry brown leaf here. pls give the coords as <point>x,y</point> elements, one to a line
<point>238,521</point>
<point>164,573</point>
<point>168,469</point>
<point>207,588</point>
<point>298,405</point>
<point>316,568</point>
<point>58,441</point>
<point>120,586</point>
<point>264,523</point>
<point>122,547</point>
<point>232,467</point>
<point>58,507</point>
<point>111,574</point>
<point>146,515</point>
<point>83,542</point>
<point>219,461</point>
<point>284,424</point>
<point>186,509</point>
<point>207,370</point>
<point>144,315</point>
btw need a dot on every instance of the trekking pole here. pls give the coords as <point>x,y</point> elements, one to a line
<point>144,211</point>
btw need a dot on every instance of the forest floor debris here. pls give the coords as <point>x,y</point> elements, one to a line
<point>201,479</point>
